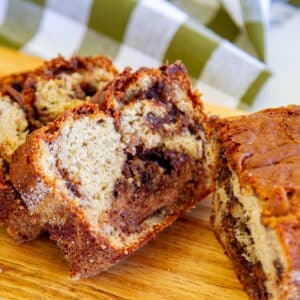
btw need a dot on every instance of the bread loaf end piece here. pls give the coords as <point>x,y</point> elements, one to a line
<point>256,204</point>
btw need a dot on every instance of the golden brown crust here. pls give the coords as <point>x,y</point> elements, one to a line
<point>88,254</point>
<point>14,215</point>
<point>264,150</point>
<point>7,193</point>
<point>114,94</point>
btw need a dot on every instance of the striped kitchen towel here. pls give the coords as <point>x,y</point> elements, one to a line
<point>222,42</point>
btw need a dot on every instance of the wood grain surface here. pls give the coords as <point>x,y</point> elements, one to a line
<point>183,262</point>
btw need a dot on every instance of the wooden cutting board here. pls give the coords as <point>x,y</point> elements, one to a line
<point>183,262</point>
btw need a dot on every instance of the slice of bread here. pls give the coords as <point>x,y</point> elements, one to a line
<point>20,115</point>
<point>62,84</point>
<point>256,212</point>
<point>107,181</point>
<point>13,131</point>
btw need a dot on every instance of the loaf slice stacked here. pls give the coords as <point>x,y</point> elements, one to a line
<point>13,131</point>
<point>107,181</point>
<point>62,84</point>
<point>21,111</point>
<point>256,211</point>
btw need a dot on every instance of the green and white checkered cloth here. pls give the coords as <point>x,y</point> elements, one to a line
<point>222,42</point>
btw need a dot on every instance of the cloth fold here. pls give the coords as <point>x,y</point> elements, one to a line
<point>221,42</point>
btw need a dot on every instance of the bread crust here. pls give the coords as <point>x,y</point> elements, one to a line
<point>263,149</point>
<point>110,98</point>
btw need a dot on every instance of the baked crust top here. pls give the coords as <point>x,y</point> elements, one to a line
<point>116,92</point>
<point>263,148</point>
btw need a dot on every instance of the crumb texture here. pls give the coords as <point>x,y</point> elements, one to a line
<point>87,164</point>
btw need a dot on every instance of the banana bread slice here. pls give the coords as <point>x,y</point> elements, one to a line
<point>107,181</point>
<point>13,213</point>
<point>21,113</point>
<point>62,84</point>
<point>256,206</point>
